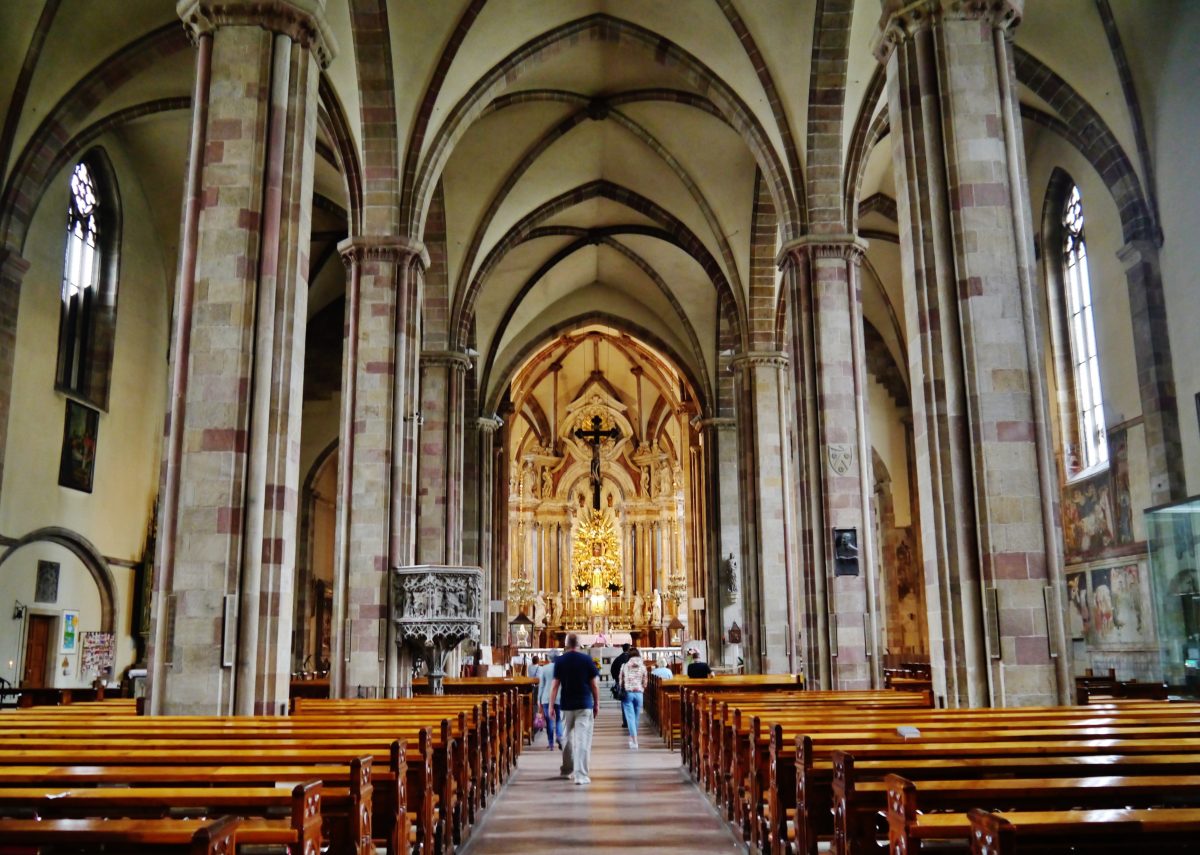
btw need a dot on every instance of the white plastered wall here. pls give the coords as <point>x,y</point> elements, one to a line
<point>115,515</point>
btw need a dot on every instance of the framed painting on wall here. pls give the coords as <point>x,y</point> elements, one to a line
<point>70,631</point>
<point>77,465</point>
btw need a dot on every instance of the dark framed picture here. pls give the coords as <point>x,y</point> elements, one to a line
<point>47,582</point>
<point>77,465</point>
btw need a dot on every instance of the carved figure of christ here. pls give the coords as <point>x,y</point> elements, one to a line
<point>593,437</point>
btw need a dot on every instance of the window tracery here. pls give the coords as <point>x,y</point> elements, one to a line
<point>1081,327</point>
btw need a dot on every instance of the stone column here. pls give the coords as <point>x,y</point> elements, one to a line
<point>12,272</point>
<point>724,531</point>
<point>984,480</point>
<point>766,502</point>
<point>227,561</point>
<point>379,293</point>
<point>1156,375</point>
<point>440,454</point>
<point>825,302</point>
<point>487,427</point>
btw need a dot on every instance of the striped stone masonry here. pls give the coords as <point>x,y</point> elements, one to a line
<point>772,645</point>
<point>725,538</point>
<point>440,457</point>
<point>825,299</point>
<point>1156,376</point>
<point>374,530</point>
<point>233,432</point>
<point>967,252</point>
<point>487,427</point>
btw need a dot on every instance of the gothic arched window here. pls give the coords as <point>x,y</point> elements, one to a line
<point>1089,430</point>
<point>89,283</point>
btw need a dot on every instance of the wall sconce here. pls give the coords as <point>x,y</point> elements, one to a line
<point>19,610</point>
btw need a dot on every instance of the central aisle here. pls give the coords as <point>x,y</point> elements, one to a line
<point>638,801</point>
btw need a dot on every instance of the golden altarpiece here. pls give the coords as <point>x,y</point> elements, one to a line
<point>623,568</point>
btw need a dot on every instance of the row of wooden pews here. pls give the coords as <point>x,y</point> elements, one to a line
<point>411,775</point>
<point>791,770</point>
<point>664,698</point>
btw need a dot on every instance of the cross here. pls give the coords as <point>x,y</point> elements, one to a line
<point>593,438</point>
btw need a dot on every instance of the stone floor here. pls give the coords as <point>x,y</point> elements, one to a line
<point>638,801</point>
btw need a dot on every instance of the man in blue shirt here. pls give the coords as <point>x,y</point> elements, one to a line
<point>576,691</point>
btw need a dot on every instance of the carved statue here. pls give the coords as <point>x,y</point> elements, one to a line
<point>646,481</point>
<point>658,610</point>
<point>527,481</point>
<point>731,577</point>
<point>677,478</point>
<point>664,480</point>
<point>547,483</point>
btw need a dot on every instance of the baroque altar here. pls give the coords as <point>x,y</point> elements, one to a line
<point>616,568</point>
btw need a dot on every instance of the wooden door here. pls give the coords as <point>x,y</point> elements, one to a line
<point>37,650</point>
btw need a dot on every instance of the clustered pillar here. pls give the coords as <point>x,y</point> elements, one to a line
<point>376,523</point>
<point>821,275</point>
<point>981,450</point>
<point>226,559</point>
<point>771,642</point>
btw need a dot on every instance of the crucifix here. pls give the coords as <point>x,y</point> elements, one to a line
<point>593,437</point>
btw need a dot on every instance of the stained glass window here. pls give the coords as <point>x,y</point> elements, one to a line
<point>1085,362</point>
<point>81,273</point>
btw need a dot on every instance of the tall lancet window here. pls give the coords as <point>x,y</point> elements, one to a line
<point>88,309</point>
<point>1081,328</point>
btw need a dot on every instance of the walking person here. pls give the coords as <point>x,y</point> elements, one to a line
<point>554,721</point>
<point>575,690</point>
<point>634,678</point>
<point>615,671</point>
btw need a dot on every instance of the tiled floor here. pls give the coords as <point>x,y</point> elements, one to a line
<point>639,801</point>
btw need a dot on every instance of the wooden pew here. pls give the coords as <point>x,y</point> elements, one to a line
<point>453,776</point>
<point>391,823</point>
<point>194,836</point>
<point>300,832</point>
<point>903,799</point>
<point>1116,828</point>
<point>779,769</point>
<point>814,782</point>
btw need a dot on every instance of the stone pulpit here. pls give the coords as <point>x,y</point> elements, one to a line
<point>437,607</point>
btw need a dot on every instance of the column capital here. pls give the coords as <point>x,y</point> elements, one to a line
<point>301,20</point>
<point>901,20</point>
<point>393,248</point>
<point>844,246</point>
<point>449,358</point>
<point>488,424</point>
<point>717,423</point>
<point>758,359</point>
<point>1136,252</point>
<point>12,265</point>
